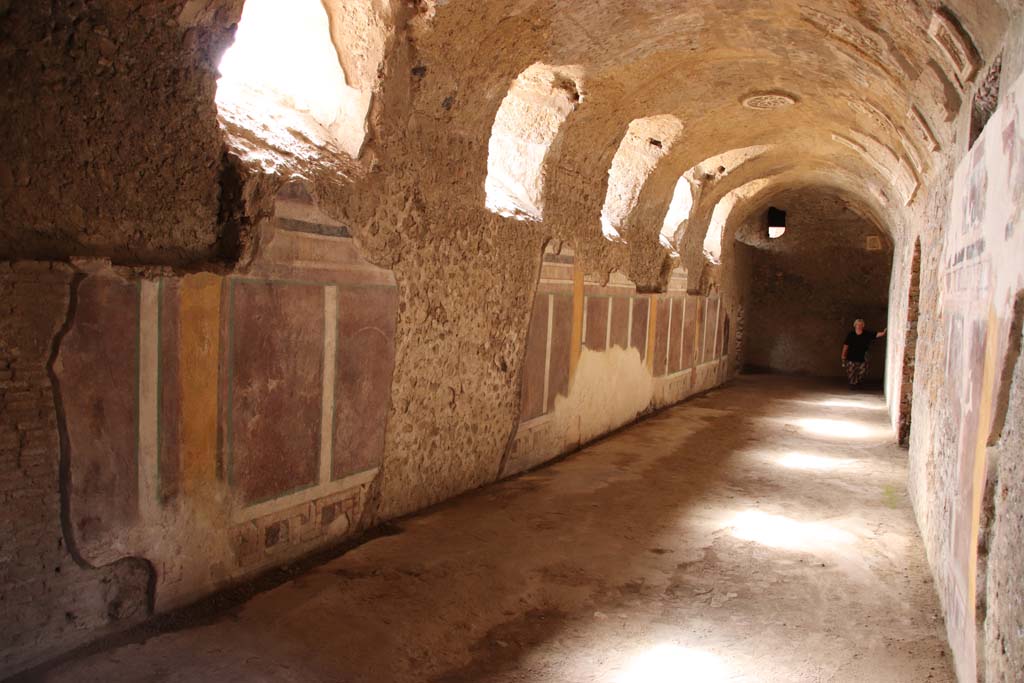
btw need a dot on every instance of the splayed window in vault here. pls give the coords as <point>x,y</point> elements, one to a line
<point>646,141</point>
<point>678,211</point>
<point>283,72</point>
<point>526,125</point>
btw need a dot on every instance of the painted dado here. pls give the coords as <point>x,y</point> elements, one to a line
<point>259,398</point>
<point>598,356</point>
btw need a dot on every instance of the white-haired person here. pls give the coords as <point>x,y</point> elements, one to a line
<point>855,352</point>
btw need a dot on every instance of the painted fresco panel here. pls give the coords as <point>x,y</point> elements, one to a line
<point>710,330</point>
<point>533,370</point>
<point>561,348</point>
<point>980,277</point>
<point>99,359</point>
<point>169,390</point>
<point>556,269</point>
<point>275,381</point>
<point>310,257</point>
<point>596,334</point>
<point>638,339</point>
<point>675,335</point>
<point>724,345</point>
<point>364,365</point>
<point>700,303</point>
<point>661,336</point>
<point>620,322</point>
<point>690,330</point>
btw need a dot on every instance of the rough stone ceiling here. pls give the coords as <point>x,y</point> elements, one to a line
<point>852,66</point>
<point>787,186</point>
<point>438,72</point>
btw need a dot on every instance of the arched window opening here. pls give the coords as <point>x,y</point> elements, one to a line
<point>720,216</point>
<point>283,73</point>
<point>776,219</point>
<point>706,183</point>
<point>678,211</point>
<point>645,143</point>
<point>526,125</point>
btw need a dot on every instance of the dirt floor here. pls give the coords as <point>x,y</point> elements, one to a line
<point>760,533</point>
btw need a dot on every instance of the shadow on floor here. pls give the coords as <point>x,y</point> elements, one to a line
<point>759,533</point>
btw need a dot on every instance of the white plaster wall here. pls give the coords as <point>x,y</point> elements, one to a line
<point>611,389</point>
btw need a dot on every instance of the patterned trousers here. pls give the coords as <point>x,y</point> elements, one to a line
<point>855,372</point>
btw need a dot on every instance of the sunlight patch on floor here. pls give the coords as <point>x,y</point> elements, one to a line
<point>778,531</point>
<point>849,430</point>
<point>850,403</point>
<point>669,663</point>
<point>807,461</point>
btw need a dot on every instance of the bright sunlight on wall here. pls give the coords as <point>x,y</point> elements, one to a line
<point>283,62</point>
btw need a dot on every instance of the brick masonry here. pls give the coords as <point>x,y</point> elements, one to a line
<point>49,602</point>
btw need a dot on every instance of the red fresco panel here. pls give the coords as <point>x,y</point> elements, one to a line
<point>638,339</point>
<point>661,336</point>
<point>700,308</point>
<point>275,387</point>
<point>725,335</point>
<point>532,401</point>
<point>98,369</point>
<point>364,365</point>
<point>596,334</point>
<point>561,348</point>
<point>675,335</point>
<point>712,327</point>
<point>620,322</point>
<point>689,330</point>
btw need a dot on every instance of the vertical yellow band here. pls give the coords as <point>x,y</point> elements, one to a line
<point>577,320</point>
<point>199,351</point>
<point>981,456</point>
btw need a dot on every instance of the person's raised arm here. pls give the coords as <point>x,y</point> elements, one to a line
<point>880,334</point>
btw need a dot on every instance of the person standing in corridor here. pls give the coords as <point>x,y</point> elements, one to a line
<point>855,352</point>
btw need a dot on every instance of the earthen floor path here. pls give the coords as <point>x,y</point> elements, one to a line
<point>760,533</point>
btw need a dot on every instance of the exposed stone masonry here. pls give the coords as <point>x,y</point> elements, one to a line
<point>35,564</point>
<point>910,348</point>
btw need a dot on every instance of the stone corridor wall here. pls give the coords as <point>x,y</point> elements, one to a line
<point>50,597</point>
<point>830,267</point>
<point>963,475</point>
<point>211,426</point>
<point>247,412</point>
<point>599,356</point>
<point>139,468</point>
<point>216,425</point>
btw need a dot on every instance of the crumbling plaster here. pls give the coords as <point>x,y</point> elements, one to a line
<point>934,480</point>
<point>1002,648</point>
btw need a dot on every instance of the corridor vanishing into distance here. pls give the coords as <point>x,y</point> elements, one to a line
<point>761,532</point>
<point>439,340</point>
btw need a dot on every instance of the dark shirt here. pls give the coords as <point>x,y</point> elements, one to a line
<point>859,344</point>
